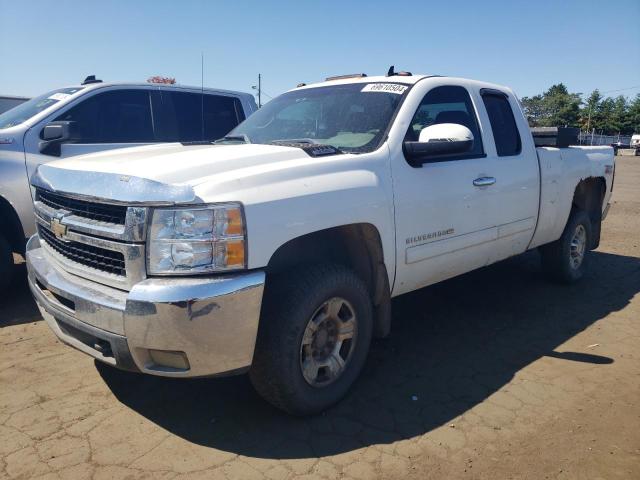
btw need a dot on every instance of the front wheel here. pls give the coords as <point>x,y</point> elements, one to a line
<point>313,340</point>
<point>565,260</point>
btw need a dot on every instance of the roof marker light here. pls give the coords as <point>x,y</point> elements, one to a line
<point>344,77</point>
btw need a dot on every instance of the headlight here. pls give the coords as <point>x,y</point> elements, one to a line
<point>196,240</point>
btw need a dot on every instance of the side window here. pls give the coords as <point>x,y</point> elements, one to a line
<point>184,116</point>
<point>185,112</point>
<point>221,115</point>
<point>503,124</point>
<point>447,104</point>
<point>118,116</point>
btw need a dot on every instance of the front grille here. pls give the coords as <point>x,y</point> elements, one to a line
<point>88,255</point>
<point>95,211</point>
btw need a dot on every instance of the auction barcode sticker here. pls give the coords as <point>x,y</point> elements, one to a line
<point>385,87</point>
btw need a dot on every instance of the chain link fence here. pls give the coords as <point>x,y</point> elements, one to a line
<point>592,138</point>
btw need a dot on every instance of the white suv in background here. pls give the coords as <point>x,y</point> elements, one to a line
<point>97,116</point>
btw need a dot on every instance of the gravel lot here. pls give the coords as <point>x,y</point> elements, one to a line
<point>497,374</point>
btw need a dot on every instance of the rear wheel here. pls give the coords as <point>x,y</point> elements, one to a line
<point>6,263</point>
<point>313,340</point>
<point>565,260</point>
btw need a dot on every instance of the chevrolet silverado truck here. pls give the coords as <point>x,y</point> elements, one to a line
<point>97,116</point>
<point>277,249</point>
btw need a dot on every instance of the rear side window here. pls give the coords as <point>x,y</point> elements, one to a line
<point>503,124</point>
<point>193,117</point>
<point>221,115</point>
<point>183,112</point>
<point>447,104</point>
<point>118,116</point>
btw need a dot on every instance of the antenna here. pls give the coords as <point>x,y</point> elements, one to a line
<point>202,93</point>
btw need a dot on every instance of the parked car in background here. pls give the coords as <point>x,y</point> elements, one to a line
<point>277,250</point>
<point>635,141</point>
<point>7,102</point>
<point>97,116</point>
<point>619,145</point>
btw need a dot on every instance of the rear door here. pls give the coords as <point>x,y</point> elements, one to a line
<point>512,161</point>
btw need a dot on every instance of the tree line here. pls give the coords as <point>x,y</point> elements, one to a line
<point>607,115</point>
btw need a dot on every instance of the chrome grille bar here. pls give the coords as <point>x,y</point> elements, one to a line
<point>133,229</point>
<point>133,255</point>
<point>101,212</point>
<point>94,257</point>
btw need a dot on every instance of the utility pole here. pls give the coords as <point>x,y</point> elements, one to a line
<point>259,89</point>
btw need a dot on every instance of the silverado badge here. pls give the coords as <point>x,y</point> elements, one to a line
<point>57,228</point>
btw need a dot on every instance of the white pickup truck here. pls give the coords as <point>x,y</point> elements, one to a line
<point>277,249</point>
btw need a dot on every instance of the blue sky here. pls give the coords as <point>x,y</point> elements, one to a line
<point>526,45</point>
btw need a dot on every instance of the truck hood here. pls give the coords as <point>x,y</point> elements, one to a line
<point>176,173</point>
<point>179,164</point>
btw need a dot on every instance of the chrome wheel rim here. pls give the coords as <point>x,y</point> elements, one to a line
<point>328,342</point>
<point>577,247</point>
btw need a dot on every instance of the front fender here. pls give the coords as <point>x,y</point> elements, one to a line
<point>15,192</point>
<point>319,203</point>
<point>298,195</point>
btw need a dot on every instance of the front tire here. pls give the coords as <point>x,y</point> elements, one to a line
<point>313,339</point>
<point>566,259</point>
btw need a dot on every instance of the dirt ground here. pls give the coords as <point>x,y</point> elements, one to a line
<point>494,375</point>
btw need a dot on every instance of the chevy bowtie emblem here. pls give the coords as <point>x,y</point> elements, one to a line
<point>58,229</point>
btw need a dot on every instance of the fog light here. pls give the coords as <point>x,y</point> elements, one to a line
<point>169,359</point>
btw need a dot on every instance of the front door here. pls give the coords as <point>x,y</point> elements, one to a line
<point>441,209</point>
<point>104,121</point>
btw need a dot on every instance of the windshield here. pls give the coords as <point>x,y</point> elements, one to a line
<point>26,110</point>
<point>352,118</point>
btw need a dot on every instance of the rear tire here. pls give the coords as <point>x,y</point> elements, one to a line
<point>566,259</point>
<point>314,337</point>
<point>6,263</point>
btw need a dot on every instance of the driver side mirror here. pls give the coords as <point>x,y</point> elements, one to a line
<point>438,143</point>
<point>54,134</point>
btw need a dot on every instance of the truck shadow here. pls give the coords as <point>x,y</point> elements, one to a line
<point>17,305</point>
<point>452,345</point>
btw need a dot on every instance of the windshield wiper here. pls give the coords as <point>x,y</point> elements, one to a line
<point>242,138</point>
<point>310,146</point>
<point>295,140</point>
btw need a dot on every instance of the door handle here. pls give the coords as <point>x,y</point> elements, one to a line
<point>484,181</point>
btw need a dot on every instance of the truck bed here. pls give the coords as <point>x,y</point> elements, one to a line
<point>561,169</point>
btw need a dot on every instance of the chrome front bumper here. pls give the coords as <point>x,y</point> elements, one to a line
<point>211,323</point>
